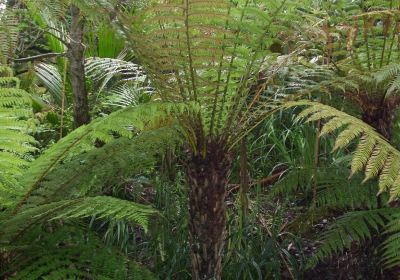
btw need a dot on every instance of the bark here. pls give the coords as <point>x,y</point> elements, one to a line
<point>208,178</point>
<point>381,118</point>
<point>76,57</point>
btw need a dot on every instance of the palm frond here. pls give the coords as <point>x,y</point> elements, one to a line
<point>49,75</point>
<point>105,69</point>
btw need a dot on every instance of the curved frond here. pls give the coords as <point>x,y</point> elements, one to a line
<point>124,123</point>
<point>373,154</point>
<point>51,78</point>
<point>100,207</point>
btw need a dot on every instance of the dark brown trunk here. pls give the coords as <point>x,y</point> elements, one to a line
<point>380,118</point>
<point>76,56</point>
<point>208,178</point>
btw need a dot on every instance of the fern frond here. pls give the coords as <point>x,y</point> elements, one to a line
<point>15,142</point>
<point>100,207</point>
<point>71,253</point>
<point>391,246</point>
<point>387,73</point>
<point>334,190</point>
<point>208,52</point>
<point>353,227</point>
<point>123,123</point>
<point>394,86</point>
<point>9,33</point>
<point>95,171</point>
<point>372,150</point>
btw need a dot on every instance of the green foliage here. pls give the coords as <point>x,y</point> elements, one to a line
<point>333,188</point>
<point>209,60</point>
<point>9,31</point>
<point>117,75</point>
<point>97,170</point>
<point>71,253</point>
<point>101,207</point>
<point>61,195</point>
<point>15,143</point>
<point>353,227</point>
<point>373,153</point>
<point>65,184</point>
<point>51,78</point>
<point>125,123</point>
<point>214,75</point>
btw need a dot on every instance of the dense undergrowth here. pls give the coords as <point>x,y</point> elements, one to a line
<point>195,139</point>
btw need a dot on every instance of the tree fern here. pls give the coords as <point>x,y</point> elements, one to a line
<point>211,60</point>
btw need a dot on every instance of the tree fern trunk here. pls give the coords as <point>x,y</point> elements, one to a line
<point>380,119</point>
<point>208,178</point>
<point>380,113</point>
<point>76,56</point>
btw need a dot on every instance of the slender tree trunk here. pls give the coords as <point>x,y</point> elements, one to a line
<point>76,56</point>
<point>208,178</point>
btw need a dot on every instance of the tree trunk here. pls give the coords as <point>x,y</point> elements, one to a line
<point>208,178</point>
<point>76,56</point>
<point>381,119</point>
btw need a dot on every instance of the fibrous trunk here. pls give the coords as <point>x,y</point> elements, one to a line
<point>76,57</point>
<point>208,175</point>
<point>381,119</point>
